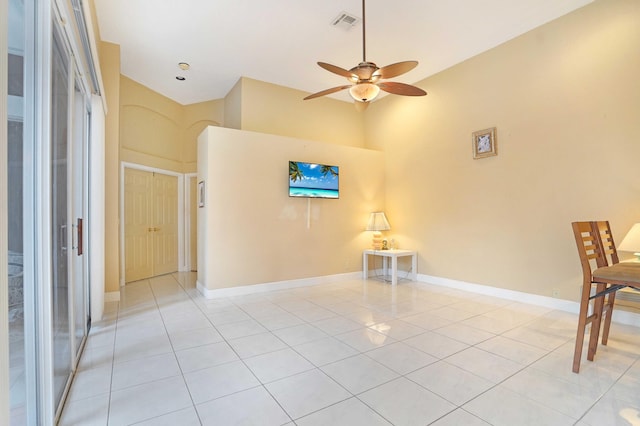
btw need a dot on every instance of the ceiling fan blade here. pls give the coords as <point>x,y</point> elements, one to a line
<point>337,70</point>
<point>327,92</point>
<point>397,69</point>
<point>401,89</point>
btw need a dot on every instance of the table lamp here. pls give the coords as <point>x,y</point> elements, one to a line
<point>631,242</point>
<point>377,222</point>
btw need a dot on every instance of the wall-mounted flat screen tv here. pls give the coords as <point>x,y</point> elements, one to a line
<point>310,180</point>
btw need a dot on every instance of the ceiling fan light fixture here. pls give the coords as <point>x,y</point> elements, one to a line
<point>365,78</point>
<point>364,92</point>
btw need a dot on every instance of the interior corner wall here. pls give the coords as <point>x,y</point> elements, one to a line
<point>110,68</point>
<point>565,99</point>
<point>233,107</point>
<point>279,110</point>
<point>252,232</point>
<point>196,117</point>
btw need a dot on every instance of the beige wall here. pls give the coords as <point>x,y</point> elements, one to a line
<point>196,117</point>
<point>150,127</point>
<point>253,232</point>
<point>565,99</point>
<point>269,108</point>
<point>158,132</point>
<point>110,68</point>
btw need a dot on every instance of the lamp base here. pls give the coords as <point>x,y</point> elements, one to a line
<point>376,242</point>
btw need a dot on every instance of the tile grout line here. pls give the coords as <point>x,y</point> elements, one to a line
<point>342,298</point>
<point>239,359</point>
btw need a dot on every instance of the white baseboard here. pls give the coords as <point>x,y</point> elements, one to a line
<point>277,285</point>
<point>619,316</point>
<point>112,296</point>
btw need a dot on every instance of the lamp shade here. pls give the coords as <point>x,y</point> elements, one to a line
<point>631,241</point>
<point>378,222</point>
<point>364,92</point>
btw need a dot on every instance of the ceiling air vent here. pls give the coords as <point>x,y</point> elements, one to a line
<point>345,20</point>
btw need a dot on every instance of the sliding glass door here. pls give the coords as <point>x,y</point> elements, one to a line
<point>21,410</point>
<point>78,209</point>
<point>61,235</point>
<point>69,286</point>
<point>47,147</point>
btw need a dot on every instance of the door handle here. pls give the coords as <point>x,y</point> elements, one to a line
<point>62,238</point>
<point>79,244</point>
<point>153,229</point>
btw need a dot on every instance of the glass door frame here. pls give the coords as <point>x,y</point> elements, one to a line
<point>36,198</point>
<point>4,295</point>
<point>79,135</point>
<point>76,203</point>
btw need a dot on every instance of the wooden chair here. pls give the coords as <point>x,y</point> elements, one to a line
<point>611,258</point>
<point>600,268</point>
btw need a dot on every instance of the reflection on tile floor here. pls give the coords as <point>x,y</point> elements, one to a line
<point>349,353</point>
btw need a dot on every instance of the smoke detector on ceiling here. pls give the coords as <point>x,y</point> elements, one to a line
<point>345,20</point>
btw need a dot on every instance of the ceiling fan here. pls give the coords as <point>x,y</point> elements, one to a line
<point>365,78</point>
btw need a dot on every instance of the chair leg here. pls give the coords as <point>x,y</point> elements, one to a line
<point>582,324</point>
<point>598,306</point>
<point>607,319</point>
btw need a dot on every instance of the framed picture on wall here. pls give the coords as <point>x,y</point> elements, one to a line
<point>484,143</point>
<point>201,193</point>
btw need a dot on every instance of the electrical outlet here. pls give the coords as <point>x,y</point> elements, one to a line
<point>555,292</point>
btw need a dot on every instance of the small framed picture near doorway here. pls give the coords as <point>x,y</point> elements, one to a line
<point>201,193</point>
<point>485,143</point>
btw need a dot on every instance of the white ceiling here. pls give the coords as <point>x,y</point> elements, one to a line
<point>280,41</point>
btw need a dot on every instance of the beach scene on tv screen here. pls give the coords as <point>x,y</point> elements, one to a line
<point>313,180</point>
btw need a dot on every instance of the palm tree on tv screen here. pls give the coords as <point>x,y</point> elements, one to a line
<point>328,169</point>
<point>295,173</point>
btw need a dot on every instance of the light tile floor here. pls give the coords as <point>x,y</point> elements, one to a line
<point>350,353</point>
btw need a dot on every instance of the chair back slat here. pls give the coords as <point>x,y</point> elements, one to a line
<point>608,245</point>
<point>595,243</point>
<point>589,246</point>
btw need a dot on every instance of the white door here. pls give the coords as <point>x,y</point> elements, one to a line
<point>151,224</point>
<point>165,224</point>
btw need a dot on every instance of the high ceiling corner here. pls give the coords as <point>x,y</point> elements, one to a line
<point>280,41</point>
